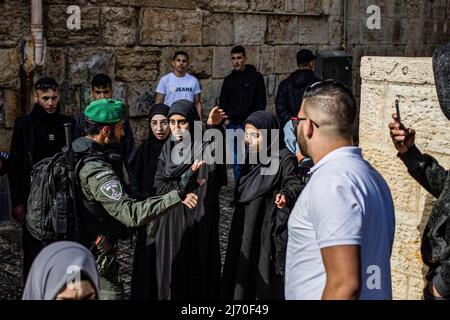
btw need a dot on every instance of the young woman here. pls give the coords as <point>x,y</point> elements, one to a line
<point>144,169</point>
<point>63,270</point>
<point>188,262</point>
<point>254,263</point>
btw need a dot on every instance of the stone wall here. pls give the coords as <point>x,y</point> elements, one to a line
<point>411,80</point>
<point>133,41</point>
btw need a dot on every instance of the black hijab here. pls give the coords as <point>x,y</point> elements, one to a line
<point>253,183</point>
<point>172,170</point>
<point>148,154</point>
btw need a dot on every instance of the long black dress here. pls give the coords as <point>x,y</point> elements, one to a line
<point>187,241</point>
<point>144,168</point>
<point>255,259</point>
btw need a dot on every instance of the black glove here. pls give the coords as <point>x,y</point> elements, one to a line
<point>188,184</point>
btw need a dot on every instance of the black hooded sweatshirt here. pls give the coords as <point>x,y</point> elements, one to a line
<point>243,92</point>
<point>290,93</point>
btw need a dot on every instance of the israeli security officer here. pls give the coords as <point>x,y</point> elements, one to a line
<point>106,209</point>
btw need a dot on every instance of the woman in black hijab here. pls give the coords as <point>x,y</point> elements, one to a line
<point>265,194</point>
<point>187,240</point>
<point>144,169</point>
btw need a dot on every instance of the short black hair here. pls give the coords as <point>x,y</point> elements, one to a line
<point>92,128</point>
<point>336,101</point>
<point>46,83</point>
<point>238,49</point>
<point>180,53</point>
<point>101,80</point>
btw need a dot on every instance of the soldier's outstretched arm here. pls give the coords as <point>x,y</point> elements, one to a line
<point>100,183</point>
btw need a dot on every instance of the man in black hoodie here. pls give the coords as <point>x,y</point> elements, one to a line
<point>243,92</point>
<point>38,135</point>
<point>291,90</point>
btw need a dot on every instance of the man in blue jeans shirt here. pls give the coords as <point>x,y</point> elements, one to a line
<point>243,92</point>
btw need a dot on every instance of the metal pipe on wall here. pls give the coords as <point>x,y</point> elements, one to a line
<point>37,31</point>
<point>344,24</point>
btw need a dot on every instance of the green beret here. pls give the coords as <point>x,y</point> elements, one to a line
<point>105,111</point>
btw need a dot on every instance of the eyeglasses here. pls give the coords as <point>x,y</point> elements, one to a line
<point>296,121</point>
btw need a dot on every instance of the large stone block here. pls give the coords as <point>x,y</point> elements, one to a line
<point>119,26</point>
<point>55,64</point>
<point>411,8</point>
<point>70,99</point>
<point>295,6</point>
<point>9,107</point>
<point>140,98</point>
<point>405,191</point>
<point>268,5</point>
<point>210,93</point>
<point>285,59</point>
<point>171,27</point>
<point>137,65</point>
<point>231,5</point>
<point>371,126</point>
<point>9,68</point>
<point>249,29</point>
<point>415,289</point>
<point>14,22</point>
<point>200,60</point>
<point>435,10</point>
<point>140,129</point>
<point>331,7</point>
<point>83,64</point>
<point>173,4</point>
<point>5,139</point>
<point>271,89</point>
<point>313,6</point>
<point>267,59</point>
<point>399,285</point>
<point>406,257</point>
<point>313,30</point>
<point>406,70</point>
<point>335,30</point>
<point>282,30</point>
<point>218,29</point>
<point>58,34</point>
<point>119,92</point>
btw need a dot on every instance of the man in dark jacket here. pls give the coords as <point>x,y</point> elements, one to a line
<point>291,90</point>
<point>243,92</point>
<point>435,179</point>
<point>36,136</point>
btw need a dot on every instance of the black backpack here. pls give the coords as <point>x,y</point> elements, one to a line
<point>54,194</point>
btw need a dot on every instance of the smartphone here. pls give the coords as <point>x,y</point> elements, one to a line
<point>397,109</point>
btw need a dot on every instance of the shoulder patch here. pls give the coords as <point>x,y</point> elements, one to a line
<point>104,173</point>
<point>112,189</point>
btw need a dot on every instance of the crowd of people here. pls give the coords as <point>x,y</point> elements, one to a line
<point>319,226</point>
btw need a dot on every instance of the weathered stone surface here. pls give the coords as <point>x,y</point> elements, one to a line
<point>200,60</point>
<point>140,129</point>
<point>313,30</point>
<point>9,68</point>
<point>268,5</point>
<point>335,30</point>
<point>267,59</point>
<point>83,64</point>
<point>249,28</point>
<point>313,6</point>
<point>411,8</point>
<point>58,34</point>
<point>271,89</point>
<point>70,99</point>
<point>171,27</point>
<point>415,288</point>
<point>137,65</point>
<point>5,139</point>
<point>331,7</point>
<point>408,70</point>
<point>14,22</point>
<point>435,10</point>
<point>282,30</point>
<point>296,6</point>
<point>10,107</point>
<point>119,26</point>
<point>119,92</point>
<point>371,116</point>
<point>174,4</point>
<point>285,59</point>
<point>210,94</point>
<point>240,5</point>
<point>399,285</point>
<point>55,64</point>
<point>140,98</point>
<point>218,29</point>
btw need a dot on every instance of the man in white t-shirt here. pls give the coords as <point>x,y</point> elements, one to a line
<point>341,230</point>
<point>179,85</point>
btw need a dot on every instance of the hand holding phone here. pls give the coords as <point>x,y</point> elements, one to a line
<point>397,110</point>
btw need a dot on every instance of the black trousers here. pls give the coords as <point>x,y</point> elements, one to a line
<point>31,248</point>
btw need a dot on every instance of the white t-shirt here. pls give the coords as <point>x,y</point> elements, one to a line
<point>346,202</point>
<point>178,88</point>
